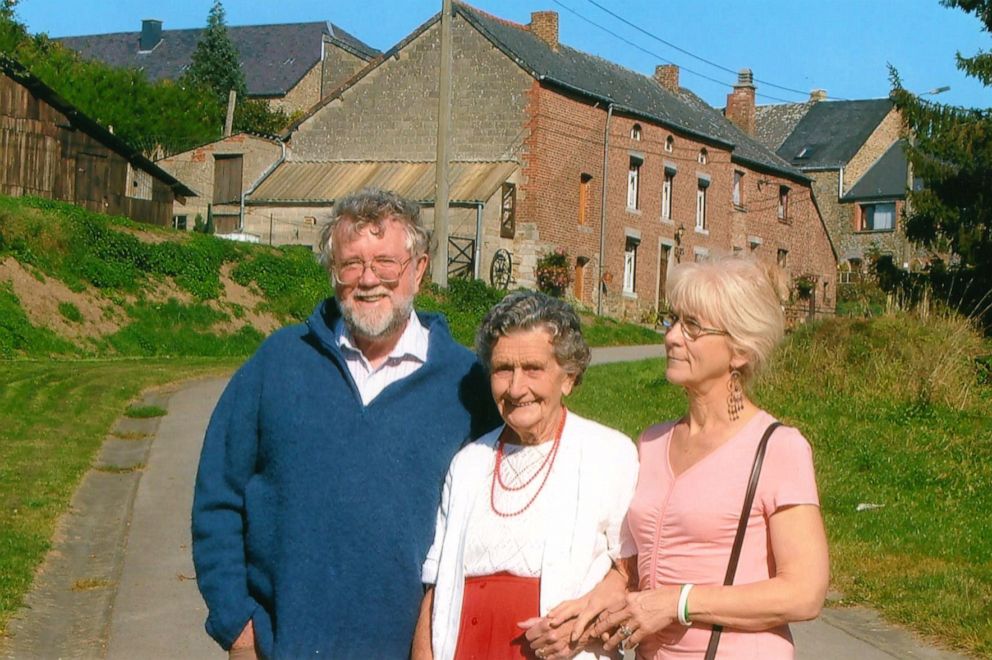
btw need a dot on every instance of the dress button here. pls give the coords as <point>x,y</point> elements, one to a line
<point>482,586</point>
<point>475,621</point>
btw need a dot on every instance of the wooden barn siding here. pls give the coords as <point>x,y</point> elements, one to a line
<point>41,155</point>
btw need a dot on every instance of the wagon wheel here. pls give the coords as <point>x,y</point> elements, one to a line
<point>499,269</point>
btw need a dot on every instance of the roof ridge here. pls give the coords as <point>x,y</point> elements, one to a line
<point>493,17</point>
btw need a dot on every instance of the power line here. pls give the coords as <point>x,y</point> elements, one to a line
<point>656,55</point>
<point>686,52</point>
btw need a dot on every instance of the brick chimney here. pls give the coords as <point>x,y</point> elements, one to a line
<point>151,35</point>
<point>818,95</point>
<point>740,102</point>
<point>667,76</point>
<point>544,24</point>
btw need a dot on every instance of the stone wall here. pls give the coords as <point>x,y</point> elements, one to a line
<point>391,113</point>
<point>337,66</point>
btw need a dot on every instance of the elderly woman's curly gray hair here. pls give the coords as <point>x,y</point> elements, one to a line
<point>530,310</point>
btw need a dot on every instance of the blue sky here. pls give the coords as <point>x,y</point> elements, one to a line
<point>841,46</point>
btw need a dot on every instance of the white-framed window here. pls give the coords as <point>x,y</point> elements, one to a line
<point>634,183</point>
<point>703,156</point>
<point>667,185</point>
<point>179,222</point>
<point>635,132</point>
<point>669,144</point>
<point>701,206</point>
<point>700,254</point>
<point>630,264</point>
<point>738,193</point>
<point>783,202</point>
<point>878,217</point>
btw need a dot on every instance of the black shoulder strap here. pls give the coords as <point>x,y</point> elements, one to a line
<point>735,552</point>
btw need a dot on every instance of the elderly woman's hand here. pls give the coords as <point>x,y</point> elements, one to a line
<point>551,642</point>
<point>644,613</point>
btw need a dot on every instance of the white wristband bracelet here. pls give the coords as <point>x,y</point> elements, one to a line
<point>683,607</point>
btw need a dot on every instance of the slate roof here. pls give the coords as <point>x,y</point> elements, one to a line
<point>89,126</point>
<point>633,92</point>
<point>774,123</point>
<point>829,135</point>
<point>273,57</point>
<point>886,179</point>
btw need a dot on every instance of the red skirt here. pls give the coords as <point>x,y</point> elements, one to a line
<point>492,607</point>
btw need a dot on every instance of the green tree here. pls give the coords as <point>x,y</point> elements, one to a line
<point>216,63</point>
<point>950,149</point>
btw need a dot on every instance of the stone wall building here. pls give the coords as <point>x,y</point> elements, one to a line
<point>292,65</point>
<point>853,152</point>
<point>629,174</point>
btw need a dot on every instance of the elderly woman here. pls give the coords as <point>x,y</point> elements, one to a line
<point>531,514</point>
<point>694,473</point>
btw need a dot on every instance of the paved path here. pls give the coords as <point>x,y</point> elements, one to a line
<point>156,612</point>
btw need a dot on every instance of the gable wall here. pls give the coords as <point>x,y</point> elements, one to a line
<point>874,148</point>
<point>392,112</point>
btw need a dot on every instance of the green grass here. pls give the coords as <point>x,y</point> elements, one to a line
<point>145,412</point>
<point>53,417</point>
<point>896,417</point>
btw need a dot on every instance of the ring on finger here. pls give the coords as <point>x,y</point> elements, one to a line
<point>625,631</point>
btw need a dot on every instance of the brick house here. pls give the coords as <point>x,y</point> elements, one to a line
<point>50,149</point>
<point>291,65</point>
<point>853,152</point>
<point>222,172</point>
<point>565,130</point>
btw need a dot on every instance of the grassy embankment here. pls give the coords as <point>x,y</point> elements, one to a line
<point>900,419</point>
<point>93,310</point>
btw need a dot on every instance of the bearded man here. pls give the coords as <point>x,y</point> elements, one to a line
<point>322,465</point>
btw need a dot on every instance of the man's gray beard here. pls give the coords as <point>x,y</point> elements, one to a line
<point>381,325</point>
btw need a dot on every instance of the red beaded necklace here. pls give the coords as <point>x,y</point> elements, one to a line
<point>546,466</point>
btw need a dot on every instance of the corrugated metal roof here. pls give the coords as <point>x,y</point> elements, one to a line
<point>323,182</point>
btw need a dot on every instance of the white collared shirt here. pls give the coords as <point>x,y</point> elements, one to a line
<point>407,356</point>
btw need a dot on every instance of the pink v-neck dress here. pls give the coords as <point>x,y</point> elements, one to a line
<point>684,527</point>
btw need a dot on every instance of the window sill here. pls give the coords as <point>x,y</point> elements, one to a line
<point>704,232</point>
<point>740,207</point>
<point>785,221</point>
<point>585,229</point>
<point>874,231</point>
<point>631,209</point>
<point>631,295</point>
<point>668,221</point>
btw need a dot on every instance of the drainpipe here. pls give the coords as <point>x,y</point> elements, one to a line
<point>602,214</point>
<point>271,168</point>
<point>478,240</point>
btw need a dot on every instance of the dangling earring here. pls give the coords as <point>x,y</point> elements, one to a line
<point>735,401</point>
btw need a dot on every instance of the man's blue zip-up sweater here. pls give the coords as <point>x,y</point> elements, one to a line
<point>312,513</point>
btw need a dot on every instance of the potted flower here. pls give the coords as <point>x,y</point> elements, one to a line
<point>553,272</point>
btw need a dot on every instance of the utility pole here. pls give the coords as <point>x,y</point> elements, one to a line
<point>232,98</point>
<point>439,266</point>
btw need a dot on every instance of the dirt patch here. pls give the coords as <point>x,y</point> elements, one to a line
<point>143,235</point>
<point>235,294</point>
<point>40,300</point>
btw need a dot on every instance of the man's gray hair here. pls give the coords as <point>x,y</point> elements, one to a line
<point>371,207</point>
<point>530,310</point>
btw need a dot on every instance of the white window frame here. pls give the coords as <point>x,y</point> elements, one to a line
<point>700,208</point>
<point>783,202</point>
<point>635,132</point>
<point>634,183</point>
<point>738,189</point>
<point>669,144</point>
<point>630,265</point>
<point>667,184</point>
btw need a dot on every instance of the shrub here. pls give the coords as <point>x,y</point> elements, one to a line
<point>70,312</point>
<point>19,337</point>
<point>553,273</point>
<point>289,277</point>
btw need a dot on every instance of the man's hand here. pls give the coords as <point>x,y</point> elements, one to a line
<point>246,640</point>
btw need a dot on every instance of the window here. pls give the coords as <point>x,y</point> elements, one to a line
<point>738,188</point>
<point>783,258</point>
<point>227,178</point>
<point>633,182</point>
<point>310,220</point>
<point>508,211</point>
<point>635,132</point>
<point>703,157</point>
<point>585,180</point>
<point>700,254</point>
<point>878,217</point>
<point>783,202</point>
<point>630,264</point>
<point>139,183</point>
<point>179,222</point>
<point>666,194</point>
<point>701,205</point>
<point>669,144</point>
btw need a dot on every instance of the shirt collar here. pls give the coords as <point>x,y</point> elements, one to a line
<point>412,343</point>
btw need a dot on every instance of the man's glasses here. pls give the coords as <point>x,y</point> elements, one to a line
<point>386,269</point>
<point>691,329</point>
